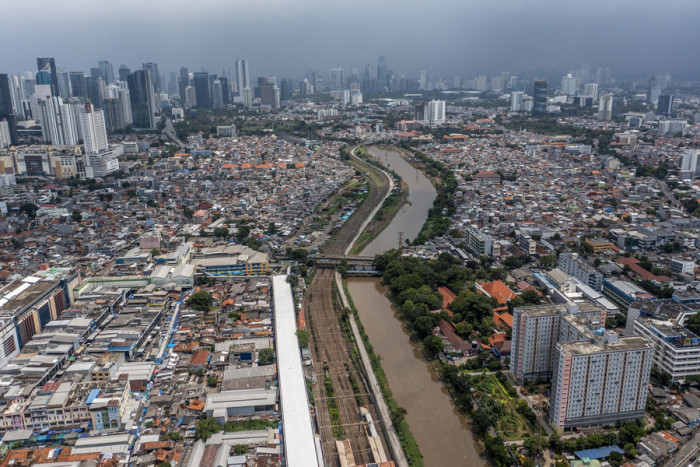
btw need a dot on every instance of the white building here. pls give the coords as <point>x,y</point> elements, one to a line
<point>356,98</point>
<point>92,124</point>
<point>689,164</point>
<point>680,266</point>
<point>591,90</point>
<point>57,121</point>
<point>671,127</point>
<point>516,101</point>
<point>4,134</point>
<point>569,85</point>
<point>605,107</point>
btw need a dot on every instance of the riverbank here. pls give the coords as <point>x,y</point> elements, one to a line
<point>382,219</point>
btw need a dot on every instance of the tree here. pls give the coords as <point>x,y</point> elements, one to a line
<point>29,209</point>
<point>463,329</point>
<point>131,193</point>
<point>201,301</point>
<point>303,337</point>
<point>472,306</point>
<point>212,382</point>
<point>615,458</point>
<point>240,449</point>
<point>243,232</point>
<point>76,217</point>
<point>530,297</point>
<point>266,357</point>
<point>205,428</point>
<point>221,231</point>
<point>271,228</point>
<point>155,252</point>
<point>188,212</point>
<point>164,464</point>
<point>434,344</point>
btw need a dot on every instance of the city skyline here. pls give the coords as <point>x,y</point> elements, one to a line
<point>447,39</point>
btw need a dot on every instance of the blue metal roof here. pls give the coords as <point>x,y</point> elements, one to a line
<point>92,396</point>
<point>598,453</point>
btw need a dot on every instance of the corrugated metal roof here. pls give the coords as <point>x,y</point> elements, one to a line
<point>299,442</point>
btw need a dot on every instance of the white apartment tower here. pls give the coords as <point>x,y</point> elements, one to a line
<point>569,85</point>
<point>92,123</point>
<point>57,121</point>
<point>516,101</point>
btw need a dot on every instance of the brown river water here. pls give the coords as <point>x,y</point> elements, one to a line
<point>442,434</point>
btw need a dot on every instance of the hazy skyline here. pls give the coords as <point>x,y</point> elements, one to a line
<point>288,38</point>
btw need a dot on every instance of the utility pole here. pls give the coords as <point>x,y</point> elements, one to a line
<point>400,242</point>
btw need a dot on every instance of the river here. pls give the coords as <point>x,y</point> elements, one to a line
<point>413,214</point>
<point>442,434</point>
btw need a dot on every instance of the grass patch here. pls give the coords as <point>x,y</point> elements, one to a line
<point>333,409</point>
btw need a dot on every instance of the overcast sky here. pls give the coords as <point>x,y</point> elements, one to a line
<point>289,37</point>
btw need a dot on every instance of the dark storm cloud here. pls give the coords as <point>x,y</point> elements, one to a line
<point>287,38</point>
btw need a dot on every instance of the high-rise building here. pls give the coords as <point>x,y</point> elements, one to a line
<point>6,109</point>
<point>569,85</point>
<point>665,104</point>
<point>217,95</point>
<point>336,79</point>
<point>113,115</point>
<point>183,82</point>
<point>124,72</point>
<point>689,164</point>
<point>142,99</point>
<point>432,112</point>
<point>605,107</point>
<point>64,83</point>
<point>602,76</point>
<point>225,90</point>
<point>93,86</point>
<point>191,96</point>
<point>78,86</point>
<point>152,69</point>
<point>576,267</point>
<point>47,65</point>
<point>591,90</point>
<point>305,88</point>
<point>5,141</point>
<point>247,97</point>
<point>382,75</point>
<point>201,87</point>
<point>243,76</point>
<point>269,95</point>
<point>423,80</point>
<point>540,97</point>
<point>107,71</point>
<point>92,123</point>
<point>663,80</point>
<point>286,89</point>
<point>516,101</point>
<point>57,121</point>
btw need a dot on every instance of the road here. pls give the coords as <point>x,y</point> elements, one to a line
<point>682,457</point>
<point>169,132</point>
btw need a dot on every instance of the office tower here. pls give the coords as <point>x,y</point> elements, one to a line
<point>423,80</point>
<point>183,82</point>
<point>512,82</point>
<point>78,85</point>
<point>211,79</point>
<point>242,76</point>
<point>540,97</point>
<point>92,124</point>
<point>602,76</point>
<point>663,80</point>
<point>6,110</point>
<point>497,83</point>
<point>655,92</point>
<point>569,85</point>
<point>217,95</point>
<point>305,88</point>
<point>124,72</point>
<point>64,83</point>
<point>113,115</point>
<point>268,93</point>
<point>47,65</point>
<point>665,104</point>
<point>5,140</point>
<point>142,99</point>
<point>286,89</point>
<point>689,164</point>
<point>93,87</point>
<point>57,121</point>
<point>650,87</point>
<point>125,100</point>
<point>516,101</point>
<point>336,79</point>
<point>16,94</point>
<point>605,107</point>
<point>225,90</point>
<point>591,90</point>
<point>152,69</point>
<point>381,71</point>
<point>201,87</point>
<point>190,96</point>
<point>107,70</point>
<point>247,97</point>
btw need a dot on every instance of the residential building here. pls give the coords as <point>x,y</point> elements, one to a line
<point>516,101</point>
<point>605,107</point>
<point>569,85</point>
<point>681,266</point>
<point>478,243</point>
<point>94,131</point>
<point>576,267</point>
<point>599,245</point>
<point>527,244</point>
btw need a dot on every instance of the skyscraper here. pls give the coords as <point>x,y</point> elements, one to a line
<point>242,75</point>
<point>6,110</point>
<point>92,123</point>
<point>540,97</point>
<point>142,99</point>
<point>665,104</point>
<point>78,86</point>
<point>591,90</point>
<point>217,94</point>
<point>286,89</point>
<point>516,101</point>
<point>183,82</point>
<point>269,95</point>
<point>92,84</point>
<point>64,83</point>
<point>152,69</point>
<point>381,71</point>
<point>107,71</point>
<point>225,90</point>
<point>57,121</point>
<point>124,72</point>
<point>569,85</point>
<point>336,79</point>
<point>48,65</point>
<point>201,88</point>
<point>605,107</point>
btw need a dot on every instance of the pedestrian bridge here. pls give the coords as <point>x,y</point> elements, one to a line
<point>357,265</point>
